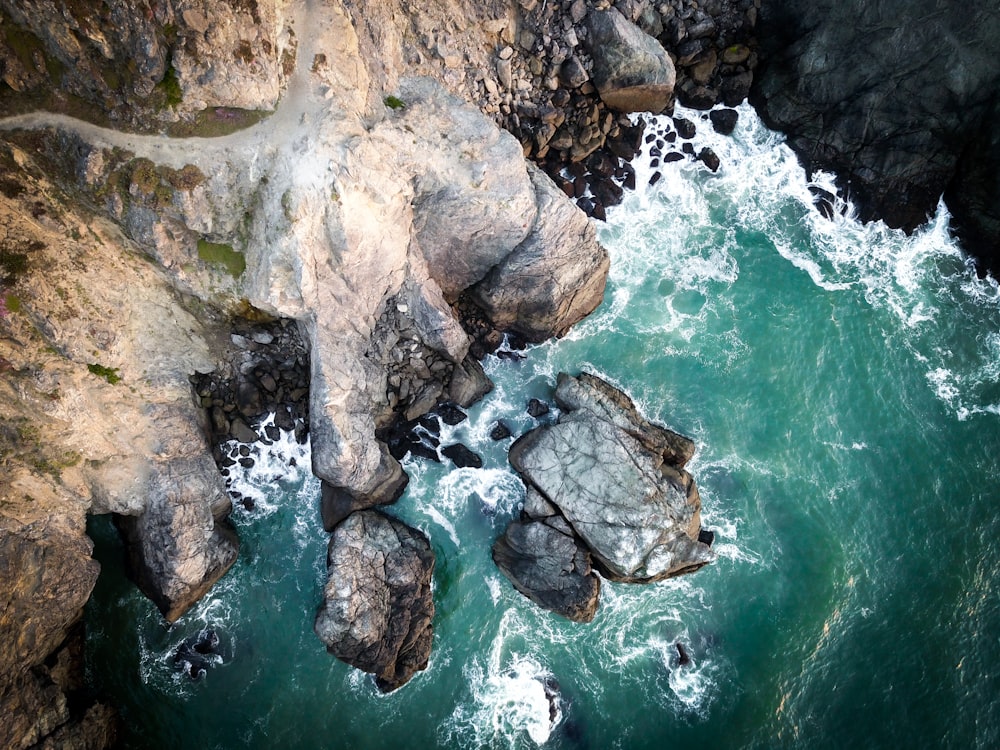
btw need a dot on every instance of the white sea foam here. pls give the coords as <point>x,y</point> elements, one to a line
<point>514,697</point>
<point>682,228</point>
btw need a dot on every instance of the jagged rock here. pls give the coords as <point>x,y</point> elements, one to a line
<point>554,278</point>
<point>500,431</point>
<point>337,503</point>
<point>632,72</point>
<point>46,576</point>
<point>685,128</point>
<point>450,414</point>
<point>593,394</point>
<point>638,515</point>
<point>469,382</point>
<point>724,120</point>
<point>462,457</point>
<point>180,544</point>
<point>545,562</point>
<point>377,609</point>
<point>474,202</point>
<point>899,123</point>
<point>537,408</point>
<point>709,158</point>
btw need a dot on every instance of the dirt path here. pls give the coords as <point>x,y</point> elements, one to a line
<point>298,106</point>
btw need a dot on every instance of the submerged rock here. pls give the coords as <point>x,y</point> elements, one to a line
<point>377,607</point>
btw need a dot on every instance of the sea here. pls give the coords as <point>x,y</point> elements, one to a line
<point>842,383</point>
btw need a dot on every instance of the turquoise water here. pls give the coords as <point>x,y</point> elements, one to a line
<point>842,385</point>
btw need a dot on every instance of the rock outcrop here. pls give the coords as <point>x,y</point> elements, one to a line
<point>98,417</point>
<point>551,280</point>
<point>377,609</point>
<point>350,189</point>
<point>899,99</point>
<point>548,564</point>
<point>615,482</point>
<point>631,69</point>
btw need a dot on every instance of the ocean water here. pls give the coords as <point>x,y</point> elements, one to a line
<point>841,382</point>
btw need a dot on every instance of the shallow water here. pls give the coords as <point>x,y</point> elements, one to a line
<point>841,382</point>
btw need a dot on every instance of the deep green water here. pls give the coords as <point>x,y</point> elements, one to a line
<point>842,385</point>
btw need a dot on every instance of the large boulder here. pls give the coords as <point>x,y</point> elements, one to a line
<point>181,544</point>
<point>553,279</point>
<point>632,71</point>
<point>638,515</point>
<point>377,607</point>
<point>547,563</point>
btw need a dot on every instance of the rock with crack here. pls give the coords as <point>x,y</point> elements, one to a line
<point>554,278</point>
<point>377,609</point>
<point>181,544</point>
<point>614,480</point>
<point>632,71</point>
<point>547,563</point>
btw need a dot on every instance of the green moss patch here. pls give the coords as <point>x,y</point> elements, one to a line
<point>223,255</point>
<point>108,373</point>
<point>170,87</point>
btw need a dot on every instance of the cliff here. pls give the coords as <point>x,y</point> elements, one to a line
<point>899,99</point>
<point>304,178</point>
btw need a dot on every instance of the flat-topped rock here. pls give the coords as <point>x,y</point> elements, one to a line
<point>603,480</point>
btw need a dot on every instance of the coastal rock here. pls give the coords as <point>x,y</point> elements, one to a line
<point>895,97</point>
<point>546,563</point>
<point>180,544</point>
<point>595,395</point>
<point>638,515</point>
<point>377,609</point>
<point>337,503</point>
<point>554,278</point>
<point>632,71</point>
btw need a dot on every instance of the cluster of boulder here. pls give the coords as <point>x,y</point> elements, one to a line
<point>565,84</point>
<point>606,493</point>
<point>266,372</point>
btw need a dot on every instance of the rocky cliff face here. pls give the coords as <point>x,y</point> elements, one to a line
<point>899,99</point>
<point>362,206</point>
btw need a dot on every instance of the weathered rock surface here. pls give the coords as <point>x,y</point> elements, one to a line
<point>97,416</point>
<point>546,563</point>
<point>554,278</point>
<point>377,611</point>
<point>126,57</point>
<point>608,478</point>
<point>899,99</point>
<point>632,72</point>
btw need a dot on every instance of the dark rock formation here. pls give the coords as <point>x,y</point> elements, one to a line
<point>545,562</point>
<point>537,408</point>
<point>462,457</point>
<point>500,431</point>
<point>605,479</point>
<point>899,99</point>
<point>632,71</point>
<point>377,608</point>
